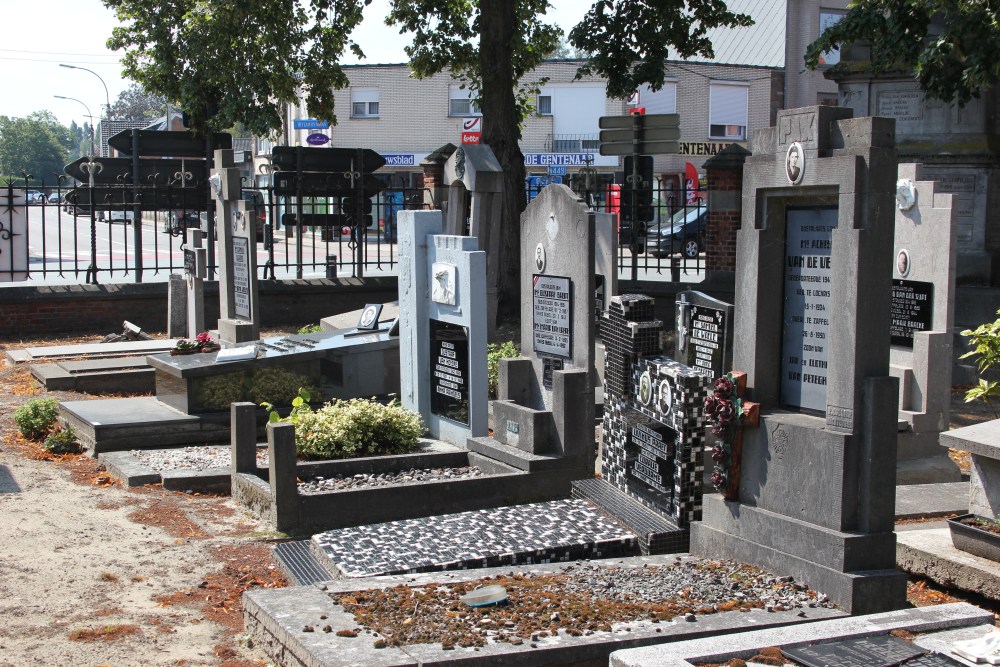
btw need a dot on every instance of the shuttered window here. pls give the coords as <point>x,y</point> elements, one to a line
<point>728,111</point>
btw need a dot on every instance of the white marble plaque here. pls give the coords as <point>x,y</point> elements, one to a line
<point>241,277</point>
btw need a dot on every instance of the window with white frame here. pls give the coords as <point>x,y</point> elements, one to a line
<point>460,102</point>
<point>544,106</point>
<point>364,102</point>
<point>728,110</point>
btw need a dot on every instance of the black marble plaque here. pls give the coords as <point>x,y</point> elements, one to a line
<point>878,651</point>
<point>598,296</point>
<point>449,371</point>
<point>706,343</point>
<point>912,310</point>
<point>190,262</point>
<point>549,366</point>
<point>552,312</point>
<point>650,453</point>
<point>934,660</point>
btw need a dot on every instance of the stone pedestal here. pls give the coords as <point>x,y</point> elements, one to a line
<point>983,442</point>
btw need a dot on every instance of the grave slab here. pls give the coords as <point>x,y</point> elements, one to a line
<point>983,442</point>
<point>745,645</point>
<point>553,531</point>
<point>92,350</point>
<point>930,553</point>
<point>276,619</point>
<point>915,501</point>
<point>128,375</point>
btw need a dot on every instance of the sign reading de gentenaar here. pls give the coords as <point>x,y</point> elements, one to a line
<point>561,159</point>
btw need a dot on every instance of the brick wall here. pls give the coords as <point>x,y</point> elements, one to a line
<point>38,311</point>
<point>725,208</point>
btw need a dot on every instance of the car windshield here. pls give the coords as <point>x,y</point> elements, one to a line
<point>685,215</point>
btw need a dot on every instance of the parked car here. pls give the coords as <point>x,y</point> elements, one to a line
<point>683,233</point>
<point>117,216</point>
<point>34,197</point>
<point>176,220</point>
<point>55,197</point>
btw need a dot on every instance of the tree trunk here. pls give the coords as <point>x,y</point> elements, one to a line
<point>497,20</point>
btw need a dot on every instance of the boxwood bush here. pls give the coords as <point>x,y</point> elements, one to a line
<point>36,418</point>
<point>356,427</point>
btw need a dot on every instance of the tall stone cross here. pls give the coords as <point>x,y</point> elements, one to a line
<point>239,304</point>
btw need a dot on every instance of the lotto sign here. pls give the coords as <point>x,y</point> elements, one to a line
<point>472,130</point>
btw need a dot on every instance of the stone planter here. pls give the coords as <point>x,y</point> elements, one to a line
<point>974,540</point>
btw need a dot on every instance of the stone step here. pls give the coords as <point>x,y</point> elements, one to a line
<point>554,531</point>
<point>115,424</point>
<point>124,375</point>
<point>656,534</point>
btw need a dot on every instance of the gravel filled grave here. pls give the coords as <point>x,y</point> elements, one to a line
<point>205,457</point>
<point>583,599</point>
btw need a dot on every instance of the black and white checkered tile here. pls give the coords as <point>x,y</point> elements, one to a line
<point>654,424</point>
<point>560,530</point>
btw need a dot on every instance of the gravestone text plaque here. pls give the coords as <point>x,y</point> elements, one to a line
<point>450,371</point>
<point>241,277</point>
<point>551,307</point>
<point>707,339</point>
<point>190,262</point>
<point>877,651</point>
<point>912,310</point>
<point>806,319</point>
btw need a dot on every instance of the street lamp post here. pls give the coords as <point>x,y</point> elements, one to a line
<point>107,97</point>
<point>63,97</point>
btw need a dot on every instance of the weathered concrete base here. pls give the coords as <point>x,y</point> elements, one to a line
<point>930,553</point>
<point>826,560</point>
<point>941,618</point>
<point>125,467</point>
<point>920,459</point>
<point>276,618</point>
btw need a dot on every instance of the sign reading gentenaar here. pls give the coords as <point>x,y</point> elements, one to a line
<point>551,314</point>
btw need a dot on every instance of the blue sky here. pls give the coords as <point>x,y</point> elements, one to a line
<point>36,36</point>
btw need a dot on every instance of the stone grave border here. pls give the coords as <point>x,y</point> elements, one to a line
<point>131,472</point>
<point>272,494</point>
<point>276,618</point>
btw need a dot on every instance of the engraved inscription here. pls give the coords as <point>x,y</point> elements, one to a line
<point>797,127</point>
<point>901,104</point>
<point>840,417</point>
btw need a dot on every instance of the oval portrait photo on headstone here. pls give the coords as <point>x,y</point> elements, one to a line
<point>665,397</point>
<point>540,257</point>
<point>903,263</point>
<point>795,163</point>
<point>645,388</point>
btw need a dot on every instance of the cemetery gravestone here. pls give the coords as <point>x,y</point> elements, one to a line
<point>704,333</point>
<point>475,181</point>
<point>442,318</point>
<point>239,320</point>
<point>817,478</point>
<point>923,295</point>
<point>195,271</point>
<point>546,397</point>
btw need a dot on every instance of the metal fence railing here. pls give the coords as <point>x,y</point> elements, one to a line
<point>50,233</point>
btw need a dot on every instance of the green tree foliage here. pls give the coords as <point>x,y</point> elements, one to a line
<point>952,46</point>
<point>36,144</point>
<point>630,39</point>
<point>240,60</point>
<point>136,104</point>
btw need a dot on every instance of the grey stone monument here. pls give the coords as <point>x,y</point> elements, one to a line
<point>546,405</point>
<point>177,314</point>
<point>475,183</point>
<point>813,285</point>
<point>239,316</point>
<point>921,336</point>
<point>442,327</point>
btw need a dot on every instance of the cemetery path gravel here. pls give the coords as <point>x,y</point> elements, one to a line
<point>92,574</point>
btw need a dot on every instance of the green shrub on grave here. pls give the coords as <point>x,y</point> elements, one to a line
<point>494,353</point>
<point>309,329</point>
<point>985,343</point>
<point>62,442</point>
<point>356,427</point>
<point>37,417</point>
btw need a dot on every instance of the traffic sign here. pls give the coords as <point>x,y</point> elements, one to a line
<point>124,198</point>
<point>557,170</point>
<point>324,184</point>
<point>310,124</point>
<point>291,158</point>
<point>154,143</point>
<point>645,134</point>
<point>118,170</point>
<point>642,148</point>
<point>647,121</point>
<point>317,139</point>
